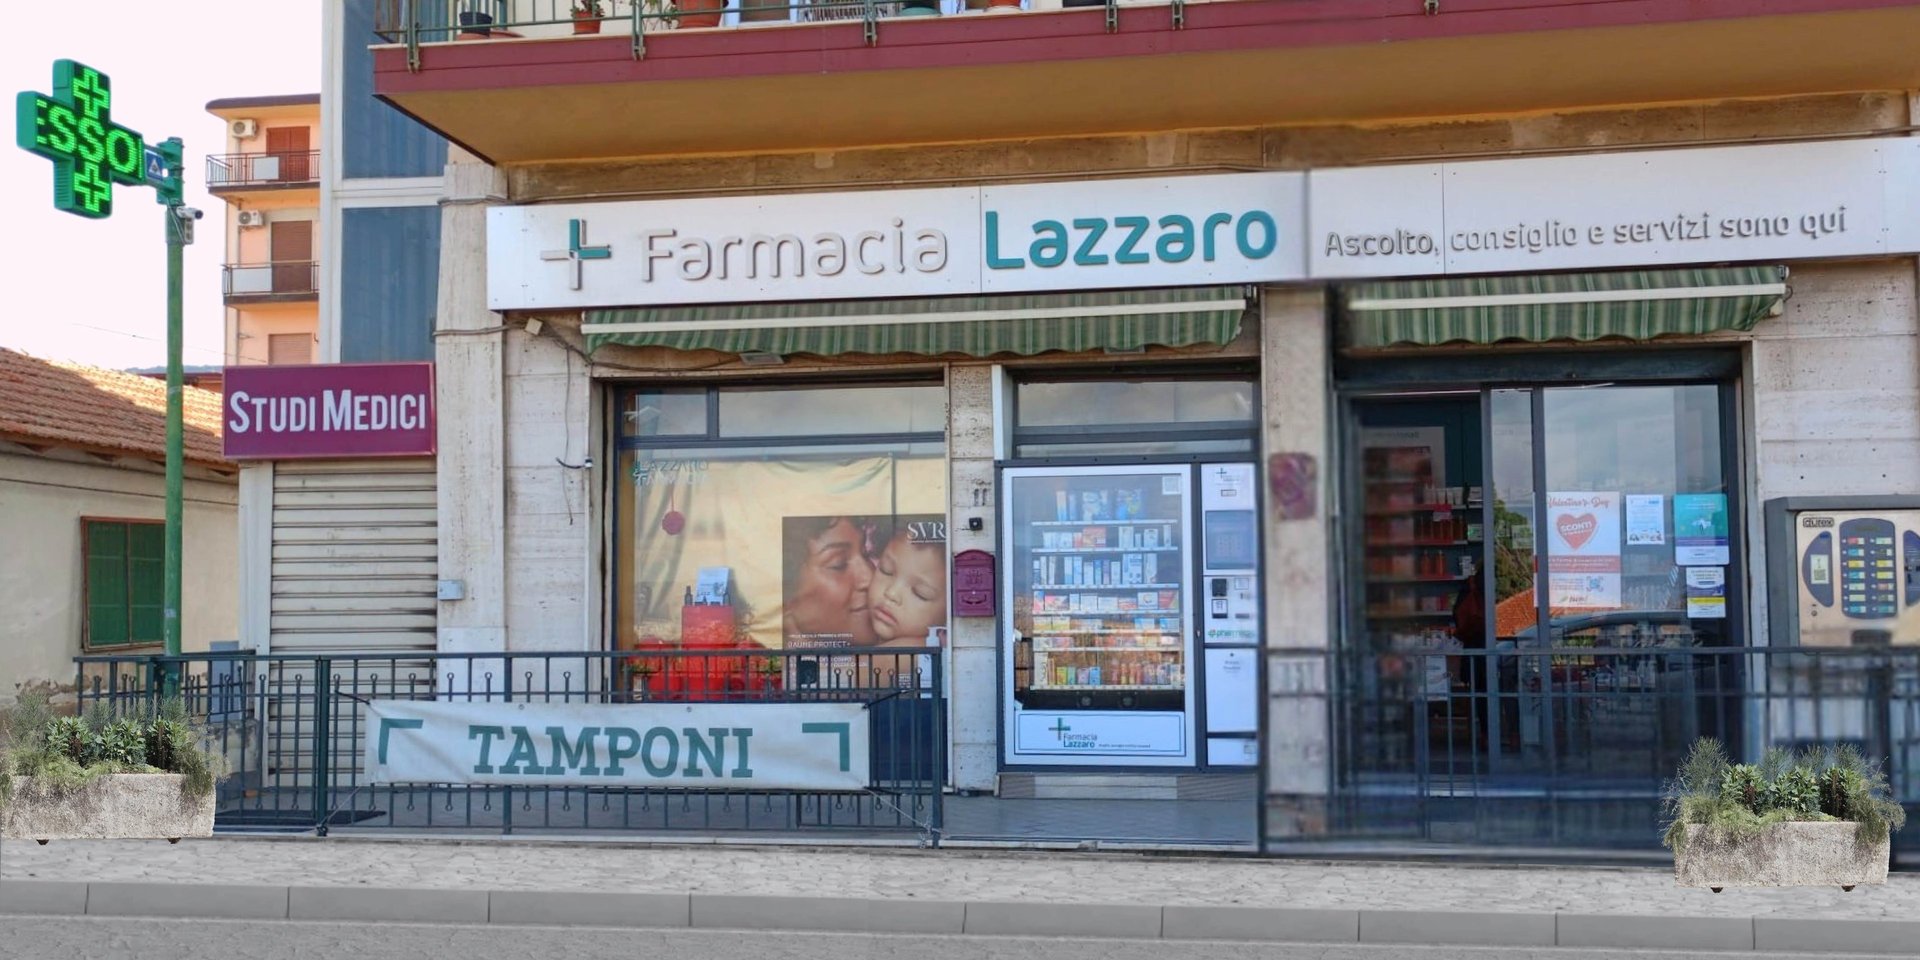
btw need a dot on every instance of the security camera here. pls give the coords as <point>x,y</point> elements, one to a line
<point>188,213</point>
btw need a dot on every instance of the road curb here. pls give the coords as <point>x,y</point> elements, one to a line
<point>980,918</point>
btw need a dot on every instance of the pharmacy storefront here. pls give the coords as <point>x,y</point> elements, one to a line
<point>1097,445</point>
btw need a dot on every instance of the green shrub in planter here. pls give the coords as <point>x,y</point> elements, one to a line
<point>1815,786</point>
<point>64,754</point>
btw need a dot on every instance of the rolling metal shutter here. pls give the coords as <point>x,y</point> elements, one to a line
<point>355,555</point>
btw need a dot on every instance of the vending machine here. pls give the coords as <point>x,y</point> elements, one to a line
<point>1131,615</point>
<point>1844,571</point>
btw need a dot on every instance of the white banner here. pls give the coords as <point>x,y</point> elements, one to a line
<point>1630,209</point>
<point>735,746</point>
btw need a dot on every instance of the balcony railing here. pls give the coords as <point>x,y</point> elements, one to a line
<point>262,169</point>
<point>413,22</point>
<point>241,281</point>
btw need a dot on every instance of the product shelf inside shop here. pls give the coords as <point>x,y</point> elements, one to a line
<point>1109,686</point>
<point>1106,549</point>
<point>1129,649</point>
<point>1130,633</point>
<point>1075,587</point>
<point>1142,522</point>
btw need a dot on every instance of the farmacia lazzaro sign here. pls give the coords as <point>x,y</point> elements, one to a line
<point>1628,209</point>
<point>1177,231</point>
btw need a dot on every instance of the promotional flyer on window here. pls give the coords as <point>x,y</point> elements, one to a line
<point>807,551</point>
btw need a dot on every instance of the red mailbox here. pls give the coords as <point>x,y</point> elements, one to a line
<point>973,584</point>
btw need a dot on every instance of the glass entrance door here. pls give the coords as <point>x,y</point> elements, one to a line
<point>1546,585</point>
<point>1618,499</point>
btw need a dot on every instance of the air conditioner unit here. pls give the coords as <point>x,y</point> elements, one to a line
<point>251,218</point>
<point>244,128</point>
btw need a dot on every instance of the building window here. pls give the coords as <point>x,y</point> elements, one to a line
<point>1134,415</point>
<point>782,516</point>
<point>125,569</point>
<point>289,348</point>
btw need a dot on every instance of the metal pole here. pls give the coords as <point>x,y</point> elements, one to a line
<point>170,192</point>
<point>176,465</point>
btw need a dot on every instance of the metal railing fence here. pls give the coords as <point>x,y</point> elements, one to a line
<point>252,169</point>
<point>277,278</point>
<point>293,730</point>
<point>1573,747</point>
<point>416,22</point>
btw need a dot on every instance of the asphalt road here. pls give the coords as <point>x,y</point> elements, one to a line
<point>92,938</point>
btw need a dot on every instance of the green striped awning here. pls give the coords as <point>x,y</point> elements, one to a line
<point>1637,305</point>
<point>976,326</point>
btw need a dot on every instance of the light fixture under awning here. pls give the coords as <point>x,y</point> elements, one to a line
<point>1636,305</point>
<point>1024,324</point>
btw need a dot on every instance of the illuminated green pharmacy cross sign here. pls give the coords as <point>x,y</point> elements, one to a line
<point>74,128</point>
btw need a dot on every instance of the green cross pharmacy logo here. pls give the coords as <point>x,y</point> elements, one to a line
<point>578,252</point>
<point>74,128</point>
<point>1060,728</point>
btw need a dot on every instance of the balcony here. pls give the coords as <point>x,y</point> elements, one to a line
<point>228,172</point>
<point>515,84</point>
<point>276,282</point>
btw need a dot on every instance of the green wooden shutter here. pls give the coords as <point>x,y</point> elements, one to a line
<point>106,546</point>
<point>146,580</point>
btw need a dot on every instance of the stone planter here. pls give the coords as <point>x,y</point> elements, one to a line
<point>126,806</point>
<point>1785,855</point>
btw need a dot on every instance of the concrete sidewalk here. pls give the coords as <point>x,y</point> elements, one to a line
<point>892,890</point>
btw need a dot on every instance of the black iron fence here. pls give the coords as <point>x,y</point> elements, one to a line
<point>293,730</point>
<point>1570,748</point>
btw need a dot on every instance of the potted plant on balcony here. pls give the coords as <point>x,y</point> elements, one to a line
<point>586,17</point>
<point>699,13</point>
<point>143,776</point>
<point>475,25</point>
<point>1822,818</point>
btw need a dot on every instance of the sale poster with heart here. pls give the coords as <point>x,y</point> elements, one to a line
<point>1583,551</point>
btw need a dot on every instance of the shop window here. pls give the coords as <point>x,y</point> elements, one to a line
<point>919,408</point>
<point>125,569</point>
<point>1543,584</point>
<point>827,529</point>
<point>1134,416</point>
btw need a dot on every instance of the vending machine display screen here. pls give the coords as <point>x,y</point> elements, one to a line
<point>1231,540</point>
<point>1868,586</point>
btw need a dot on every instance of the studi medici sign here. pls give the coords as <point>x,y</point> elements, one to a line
<point>327,410</point>
<point>1641,208</point>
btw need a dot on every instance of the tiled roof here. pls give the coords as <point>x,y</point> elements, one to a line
<point>102,410</point>
<point>1517,613</point>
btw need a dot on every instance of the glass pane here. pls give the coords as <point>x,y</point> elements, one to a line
<point>1638,544</point>
<point>1420,485</point>
<point>1636,555</point>
<point>1515,604</point>
<point>840,411</point>
<point>1143,448</point>
<point>1092,403</point>
<point>665,413</point>
<point>803,547</point>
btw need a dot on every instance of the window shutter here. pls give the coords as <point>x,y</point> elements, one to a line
<point>106,546</point>
<point>146,580</point>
